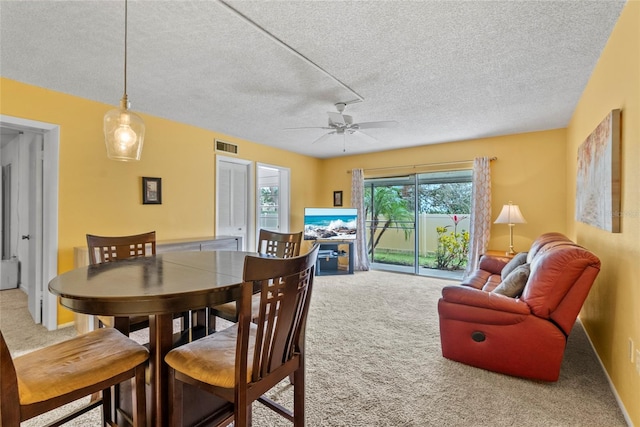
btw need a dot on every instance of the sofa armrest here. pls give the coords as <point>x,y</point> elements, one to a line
<point>492,264</point>
<point>468,296</point>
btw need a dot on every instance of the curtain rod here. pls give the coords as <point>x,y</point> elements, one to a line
<point>422,165</point>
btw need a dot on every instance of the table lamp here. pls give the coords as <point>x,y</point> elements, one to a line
<point>511,215</point>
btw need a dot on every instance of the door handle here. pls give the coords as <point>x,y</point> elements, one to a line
<point>27,237</point>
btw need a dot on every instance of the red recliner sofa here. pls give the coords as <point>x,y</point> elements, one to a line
<point>523,336</point>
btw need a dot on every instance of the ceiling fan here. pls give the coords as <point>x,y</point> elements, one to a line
<point>342,124</point>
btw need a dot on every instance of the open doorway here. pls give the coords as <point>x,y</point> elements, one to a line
<point>29,156</point>
<point>273,198</point>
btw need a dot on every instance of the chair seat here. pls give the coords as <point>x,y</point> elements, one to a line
<point>212,359</point>
<point>108,321</point>
<point>229,311</point>
<point>83,361</point>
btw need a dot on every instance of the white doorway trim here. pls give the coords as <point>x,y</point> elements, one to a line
<point>249,199</point>
<point>284,205</point>
<point>51,154</point>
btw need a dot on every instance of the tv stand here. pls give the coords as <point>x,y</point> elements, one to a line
<point>330,255</point>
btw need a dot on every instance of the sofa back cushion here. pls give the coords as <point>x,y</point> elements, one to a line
<point>542,241</point>
<point>556,268</point>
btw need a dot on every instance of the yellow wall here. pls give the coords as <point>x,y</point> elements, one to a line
<point>611,314</point>
<point>535,170</point>
<point>101,196</point>
<point>529,171</point>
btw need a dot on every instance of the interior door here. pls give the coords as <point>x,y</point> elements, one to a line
<point>233,198</point>
<point>34,237</point>
<point>390,207</point>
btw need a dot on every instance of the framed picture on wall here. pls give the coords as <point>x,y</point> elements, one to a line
<point>151,191</point>
<point>598,178</point>
<point>337,198</point>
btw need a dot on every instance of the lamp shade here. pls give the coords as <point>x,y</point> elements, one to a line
<point>123,133</point>
<point>510,214</point>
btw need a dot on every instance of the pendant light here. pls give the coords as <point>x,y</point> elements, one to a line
<point>123,129</point>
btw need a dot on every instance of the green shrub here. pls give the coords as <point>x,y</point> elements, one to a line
<point>453,247</point>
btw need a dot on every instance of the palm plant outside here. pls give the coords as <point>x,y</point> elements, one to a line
<point>390,210</point>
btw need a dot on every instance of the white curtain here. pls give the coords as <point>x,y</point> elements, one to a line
<point>360,258</point>
<point>480,228</point>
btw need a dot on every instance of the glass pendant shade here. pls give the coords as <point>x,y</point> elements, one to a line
<point>123,133</point>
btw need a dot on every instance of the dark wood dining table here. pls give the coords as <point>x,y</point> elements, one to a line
<point>157,286</point>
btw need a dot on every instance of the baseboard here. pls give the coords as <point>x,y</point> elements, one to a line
<point>611,385</point>
<point>66,325</point>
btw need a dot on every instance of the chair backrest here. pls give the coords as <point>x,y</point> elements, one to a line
<point>285,286</point>
<point>113,248</point>
<point>9,398</point>
<point>280,245</point>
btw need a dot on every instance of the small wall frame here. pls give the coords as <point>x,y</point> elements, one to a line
<point>151,191</point>
<point>337,198</point>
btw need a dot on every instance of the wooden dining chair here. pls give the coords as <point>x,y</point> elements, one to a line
<point>103,249</point>
<point>51,377</point>
<point>241,363</point>
<point>271,243</point>
<point>280,245</point>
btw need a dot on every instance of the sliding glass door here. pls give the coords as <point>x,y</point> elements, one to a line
<point>444,207</point>
<point>419,223</point>
<point>390,217</point>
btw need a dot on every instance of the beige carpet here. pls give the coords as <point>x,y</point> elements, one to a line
<point>373,359</point>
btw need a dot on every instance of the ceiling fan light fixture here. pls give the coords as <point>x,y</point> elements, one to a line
<point>123,129</point>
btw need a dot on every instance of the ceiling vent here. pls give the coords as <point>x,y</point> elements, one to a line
<point>226,147</point>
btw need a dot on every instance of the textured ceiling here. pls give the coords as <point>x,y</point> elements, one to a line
<point>445,70</point>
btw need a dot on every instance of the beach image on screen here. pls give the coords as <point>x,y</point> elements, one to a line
<point>330,223</point>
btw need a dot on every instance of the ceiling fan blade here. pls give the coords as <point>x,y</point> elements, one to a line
<point>309,127</point>
<point>363,136</point>
<point>323,137</point>
<point>372,125</point>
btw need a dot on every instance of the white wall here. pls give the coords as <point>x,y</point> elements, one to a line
<point>16,153</point>
<point>10,156</point>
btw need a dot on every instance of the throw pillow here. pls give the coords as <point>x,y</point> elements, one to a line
<point>519,259</point>
<point>515,282</point>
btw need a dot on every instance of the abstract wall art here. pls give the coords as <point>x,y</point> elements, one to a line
<point>598,180</point>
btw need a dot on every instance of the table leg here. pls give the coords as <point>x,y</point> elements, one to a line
<point>160,340</point>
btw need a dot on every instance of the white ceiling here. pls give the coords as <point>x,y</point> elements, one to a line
<point>445,70</point>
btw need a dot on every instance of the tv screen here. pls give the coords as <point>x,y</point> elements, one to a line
<point>330,223</point>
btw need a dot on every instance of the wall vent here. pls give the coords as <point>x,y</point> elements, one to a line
<point>226,147</point>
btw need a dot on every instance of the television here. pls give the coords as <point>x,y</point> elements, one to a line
<point>330,223</point>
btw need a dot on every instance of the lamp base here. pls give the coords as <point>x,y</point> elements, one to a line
<point>511,252</point>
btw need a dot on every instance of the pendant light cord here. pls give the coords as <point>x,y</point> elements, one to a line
<point>125,46</point>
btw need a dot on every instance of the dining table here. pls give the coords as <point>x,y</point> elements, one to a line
<point>156,286</point>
